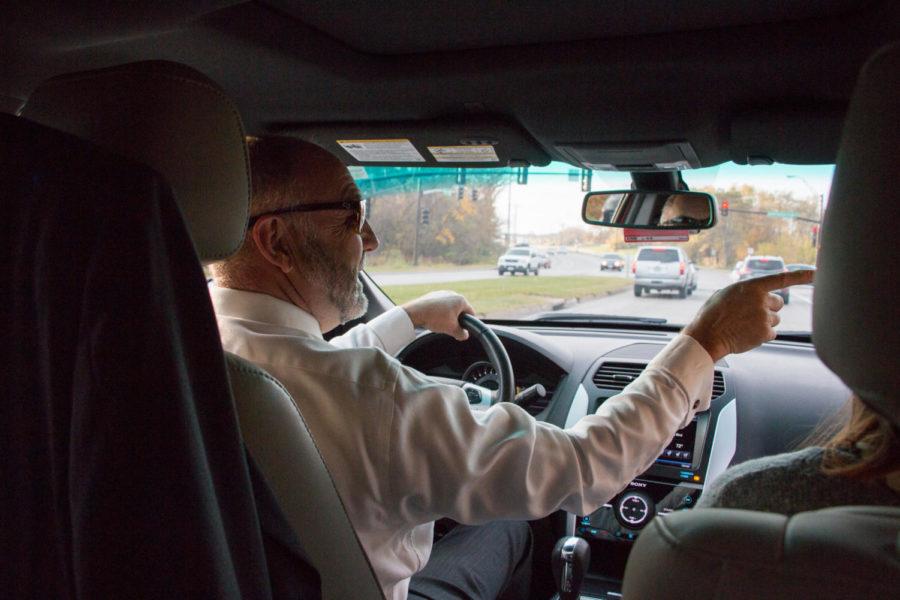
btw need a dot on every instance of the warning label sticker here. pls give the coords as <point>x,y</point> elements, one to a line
<point>484,153</point>
<point>382,150</point>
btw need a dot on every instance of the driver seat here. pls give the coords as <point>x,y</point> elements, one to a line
<point>177,121</point>
<point>839,552</point>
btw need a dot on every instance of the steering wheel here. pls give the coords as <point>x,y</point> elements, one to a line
<point>496,354</point>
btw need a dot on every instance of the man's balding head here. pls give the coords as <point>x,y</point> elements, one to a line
<point>309,258</point>
<point>287,171</point>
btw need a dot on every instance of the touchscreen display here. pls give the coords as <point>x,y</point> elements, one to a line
<point>680,451</point>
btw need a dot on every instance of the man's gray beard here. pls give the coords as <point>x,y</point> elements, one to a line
<point>344,289</point>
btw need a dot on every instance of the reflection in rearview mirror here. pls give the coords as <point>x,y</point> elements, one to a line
<point>642,209</point>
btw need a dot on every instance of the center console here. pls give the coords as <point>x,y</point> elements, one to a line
<point>674,482</point>
<point>696,454</point>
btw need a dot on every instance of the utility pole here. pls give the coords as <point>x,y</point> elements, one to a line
<point>725,245</point>
<point>418,220</point>
<point>821,198</point>
<point>508,209</point>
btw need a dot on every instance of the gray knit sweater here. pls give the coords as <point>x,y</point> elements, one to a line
<point>791,483</point>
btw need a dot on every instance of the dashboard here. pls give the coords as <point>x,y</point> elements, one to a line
<point>764,402</point>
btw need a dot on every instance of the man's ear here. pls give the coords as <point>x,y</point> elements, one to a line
<point>270,236</point>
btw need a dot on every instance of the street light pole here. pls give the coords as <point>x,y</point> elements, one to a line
<point>418,221</point>
<point>508,209</point>
<point>821,198</point>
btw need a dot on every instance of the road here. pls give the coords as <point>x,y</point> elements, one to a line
<point>796,316</point>
<point>563,264</point>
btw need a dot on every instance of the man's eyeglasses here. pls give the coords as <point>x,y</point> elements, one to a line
<point>358,208</point>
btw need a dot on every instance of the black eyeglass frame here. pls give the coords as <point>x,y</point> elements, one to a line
<point>354,205</point>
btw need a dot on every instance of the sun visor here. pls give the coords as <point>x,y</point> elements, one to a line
<point>632,157</point>
<point>463,142</point>
<point>764,137</point>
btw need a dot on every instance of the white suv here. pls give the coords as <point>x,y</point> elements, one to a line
<point>523,260</point>
<point>663,268</point>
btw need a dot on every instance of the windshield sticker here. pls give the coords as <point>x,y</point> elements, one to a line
<point>484,153</point>
<point>678,165</point>
<point>382,150</point>
<point>667,235</point>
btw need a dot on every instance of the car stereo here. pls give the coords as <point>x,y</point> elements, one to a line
<point>673,482</point>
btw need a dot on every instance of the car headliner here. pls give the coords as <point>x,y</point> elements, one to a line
<point>768,80</point>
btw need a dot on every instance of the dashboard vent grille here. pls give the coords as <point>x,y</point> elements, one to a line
<point>615,376</point>
<point>718,385</point>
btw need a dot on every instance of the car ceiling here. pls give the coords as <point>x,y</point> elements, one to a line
<point>767,80</point>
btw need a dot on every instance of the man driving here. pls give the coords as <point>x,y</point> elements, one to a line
<point>684,210</point>
<point>405,450</point>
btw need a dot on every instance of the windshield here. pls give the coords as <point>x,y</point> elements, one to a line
<point>451,228</point>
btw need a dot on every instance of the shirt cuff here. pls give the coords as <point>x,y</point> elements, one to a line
<point>690,365</point>
<point>394,328</point>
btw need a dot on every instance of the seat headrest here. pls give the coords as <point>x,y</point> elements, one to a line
<point>855,326</point>
<point>172,119</point>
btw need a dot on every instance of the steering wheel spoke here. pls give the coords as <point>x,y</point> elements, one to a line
<point>480,397</point>
<point>497,356</point>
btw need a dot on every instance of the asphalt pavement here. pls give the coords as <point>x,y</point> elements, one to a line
<point>796,316</point>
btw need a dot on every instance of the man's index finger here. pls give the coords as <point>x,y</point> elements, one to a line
<point>783,280</point>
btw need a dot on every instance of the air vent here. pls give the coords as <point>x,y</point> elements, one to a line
<point>718,385</point>
<point>615,376</point>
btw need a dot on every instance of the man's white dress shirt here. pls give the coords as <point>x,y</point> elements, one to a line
<point>405,450</point>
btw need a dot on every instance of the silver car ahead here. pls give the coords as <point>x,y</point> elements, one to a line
<point>663,268</point>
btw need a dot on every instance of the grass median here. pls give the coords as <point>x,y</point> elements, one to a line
<point>508,295</point>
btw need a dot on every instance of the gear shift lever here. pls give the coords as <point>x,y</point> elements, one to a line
<point>570,560</point>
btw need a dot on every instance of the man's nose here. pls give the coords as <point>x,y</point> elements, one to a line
<point>370,240</point>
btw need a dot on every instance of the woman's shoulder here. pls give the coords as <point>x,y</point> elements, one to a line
<point>805,461</point>
<point>791,483</point>
<point>762,480</point>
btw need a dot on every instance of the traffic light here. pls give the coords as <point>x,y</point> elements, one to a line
<point>474,195</point>
<point>426,215</point>
<point>522,176</point>
<point>460,192</point>
<point>724,211</point>
<point>586,175</point>
<point>815,235</point>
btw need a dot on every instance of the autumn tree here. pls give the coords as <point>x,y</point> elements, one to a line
<point>460,229</point>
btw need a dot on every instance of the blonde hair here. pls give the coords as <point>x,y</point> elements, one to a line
<point>859,443</point>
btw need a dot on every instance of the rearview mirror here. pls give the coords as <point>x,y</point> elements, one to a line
<point>641,209</point>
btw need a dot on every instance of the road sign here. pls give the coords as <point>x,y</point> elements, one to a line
<point>781,214</point>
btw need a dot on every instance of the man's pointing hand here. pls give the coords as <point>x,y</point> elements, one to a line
<point>743,315</point>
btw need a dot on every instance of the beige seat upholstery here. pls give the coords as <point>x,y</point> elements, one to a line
<point>282,446</point>
<point>842,552</point>
<point>175,120</point>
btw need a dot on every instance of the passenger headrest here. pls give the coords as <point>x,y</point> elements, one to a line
<point>855,312</point>
<point>172,119</point>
